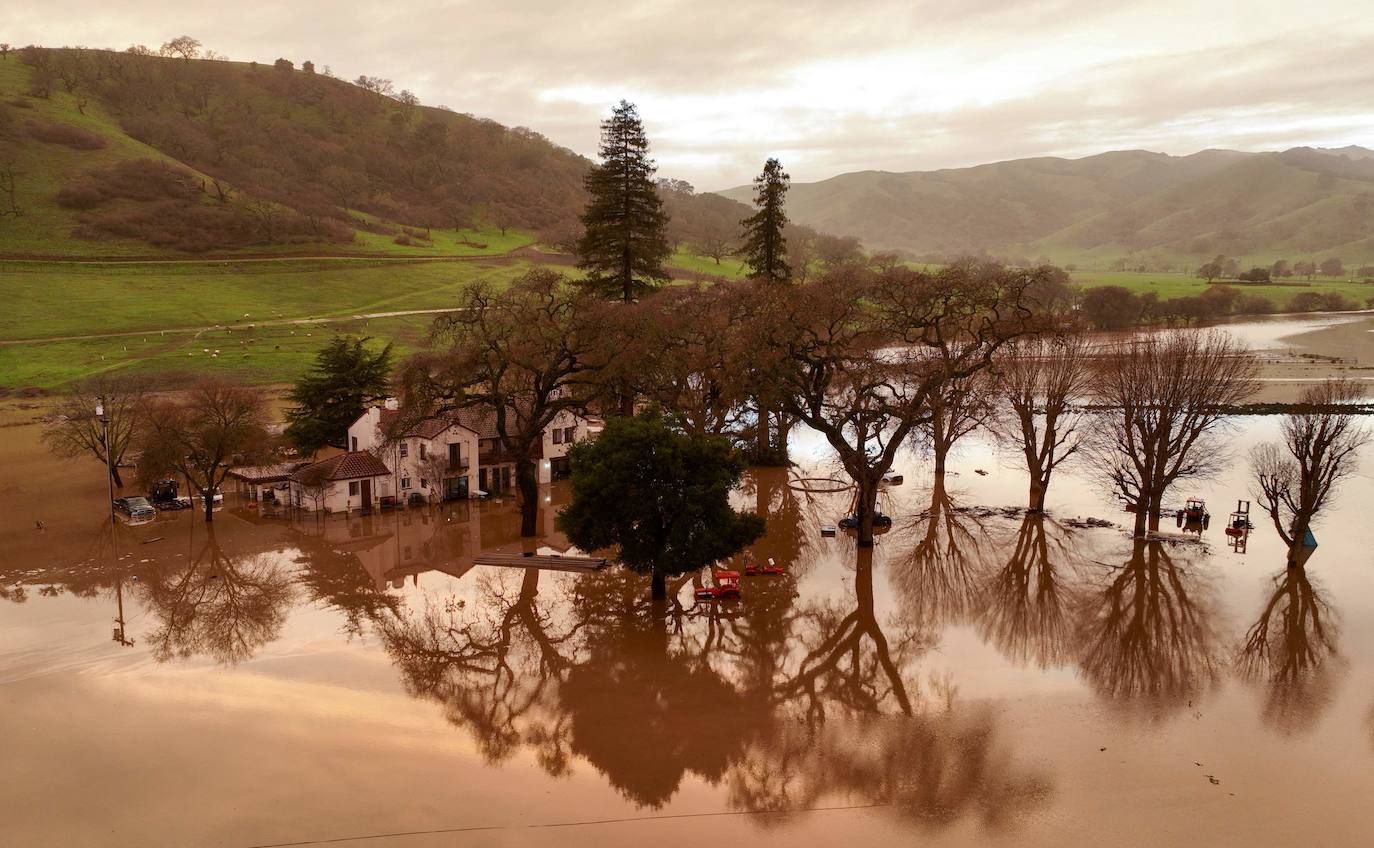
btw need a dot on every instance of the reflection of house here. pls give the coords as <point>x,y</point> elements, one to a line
<point>459,454</point>
<point>353,480</point>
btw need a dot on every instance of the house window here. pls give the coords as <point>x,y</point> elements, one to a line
<point>569,433</point>
<point>424,484</point>
<point>354,442</point>
<point>405,449</point>
<point>405,482</point>
<point>353,488</point>
<point>423,452</point>
<point>558,436</point>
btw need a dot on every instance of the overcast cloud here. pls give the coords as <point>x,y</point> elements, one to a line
<point>828,86</point>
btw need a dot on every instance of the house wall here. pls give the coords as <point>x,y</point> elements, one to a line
<point>337,498</point>
<point>410,469</point>
<point>554,451</point>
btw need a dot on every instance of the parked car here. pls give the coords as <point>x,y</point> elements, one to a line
<point>195,499</point>
<point>138,509</point>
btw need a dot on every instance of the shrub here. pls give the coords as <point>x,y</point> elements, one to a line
<point>67,135</point>
<point>1110,307</point>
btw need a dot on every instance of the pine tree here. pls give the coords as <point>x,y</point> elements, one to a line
<point>765,249</point>
<point>346,377</point>
<point>624,246</point>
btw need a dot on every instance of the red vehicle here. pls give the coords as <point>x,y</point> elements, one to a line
<point>753,569</point>
<point>726,587</point>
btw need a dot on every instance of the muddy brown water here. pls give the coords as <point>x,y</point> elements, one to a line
<point>978,678</point>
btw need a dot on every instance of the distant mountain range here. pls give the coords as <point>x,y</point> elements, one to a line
<point>1300,203</point>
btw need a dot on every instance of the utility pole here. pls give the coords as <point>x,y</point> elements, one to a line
<point>105,441</point>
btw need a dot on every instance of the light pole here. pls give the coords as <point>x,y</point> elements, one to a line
<point>105,441</point>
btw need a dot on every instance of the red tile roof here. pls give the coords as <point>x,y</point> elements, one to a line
<point>429,428</point>
<point>348,466</point>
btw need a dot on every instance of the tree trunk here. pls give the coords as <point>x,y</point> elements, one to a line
<point>527,483</point>
<point>208,497</point>
<point>763,449</point>
<point>865,508</point>
<point>627,405</point>
<point>1038,488</point>
<point>1142,514</point>
<point>114,475</point>
<point>659,586</point>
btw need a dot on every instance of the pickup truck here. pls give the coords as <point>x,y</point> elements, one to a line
<point>138,509</point>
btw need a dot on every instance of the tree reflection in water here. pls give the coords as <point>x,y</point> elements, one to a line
<point>785,704</point>
<point>1147,637</point>
<point>497,666</point>
<point>217,605</point>
<point>1291,649</point>
<point>1026,605</point>
<point>940,579</point>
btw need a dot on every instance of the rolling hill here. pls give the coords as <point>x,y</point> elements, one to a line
<point>118,154</point>
<point>1151,207</point>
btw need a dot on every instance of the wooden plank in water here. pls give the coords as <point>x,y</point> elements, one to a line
<point>547,562</point>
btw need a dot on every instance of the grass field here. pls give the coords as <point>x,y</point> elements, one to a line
<point>261,354</point>
<point>167,306</point>
<point>1181,285</point>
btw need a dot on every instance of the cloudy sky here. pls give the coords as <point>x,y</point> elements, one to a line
<point>829,86</point>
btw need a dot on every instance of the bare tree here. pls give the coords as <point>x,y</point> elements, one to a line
<point>1038,382</point>
<point>863,355</point>
<point>216,426</point>
<point>1318,448</point>
<point>184,46</point>
<point>959,408</point>
<point>314,483</point>
<point>1167,397</point>
<point>77,430</point>
<point>523,352</point>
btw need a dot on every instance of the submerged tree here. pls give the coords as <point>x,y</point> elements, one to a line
<point>522,353</point>
<point>78,430</point>
<point>862,356</point>
<point>660,495</point>
<point>1167,397</point>
<point>346,378</point>
<point>216,426</point>
<point>959,408</point>
<point>1319,447</point>
<point>1038,382</point>
<point>624,244</point>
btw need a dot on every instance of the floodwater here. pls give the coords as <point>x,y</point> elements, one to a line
<point>978,678</point>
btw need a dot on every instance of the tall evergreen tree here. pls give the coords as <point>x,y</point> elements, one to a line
<point>346,377</point>
<point>624,244</point>
<point>765,249</point>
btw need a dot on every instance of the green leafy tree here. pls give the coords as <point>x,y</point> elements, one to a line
<point>347,376</point>
<point>661,495</point>
<point>765,249</point>
<point>624,244</point>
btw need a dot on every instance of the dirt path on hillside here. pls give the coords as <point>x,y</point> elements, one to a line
<point>526,252</point>
<point>276,322</point>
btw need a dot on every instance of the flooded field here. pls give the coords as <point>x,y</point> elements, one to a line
<point>979,677</point>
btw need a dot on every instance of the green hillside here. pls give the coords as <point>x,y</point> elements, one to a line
<point>121,155</point>
<point>1148,207</point>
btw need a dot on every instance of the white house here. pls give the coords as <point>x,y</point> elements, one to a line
<point>459,454</point>
<point>436,459</point>
<point>341,483</point>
